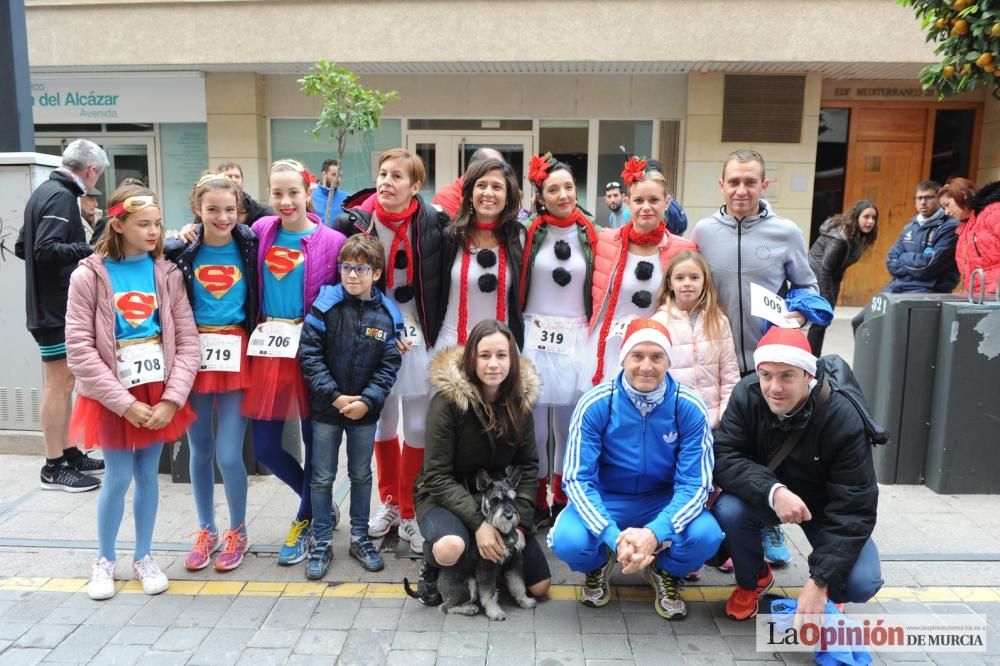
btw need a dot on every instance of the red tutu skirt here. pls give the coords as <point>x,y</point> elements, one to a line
<point>277,391</point>
<point>214,381</point>
<point>93,425</point>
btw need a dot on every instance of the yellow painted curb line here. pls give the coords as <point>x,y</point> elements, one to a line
<point>693,593</point>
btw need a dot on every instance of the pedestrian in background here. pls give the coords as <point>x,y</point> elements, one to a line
<point>843,239</point>
<point>51,243</point>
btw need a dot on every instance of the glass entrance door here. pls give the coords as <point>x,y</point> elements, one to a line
<point>446,156</point>
<point>128,157</point>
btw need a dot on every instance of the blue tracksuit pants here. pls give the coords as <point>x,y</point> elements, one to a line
<point>573,543</point>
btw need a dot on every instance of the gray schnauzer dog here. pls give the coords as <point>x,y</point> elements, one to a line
<point>474,578</point>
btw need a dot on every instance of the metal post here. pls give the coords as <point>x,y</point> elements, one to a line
<point>17,133</point>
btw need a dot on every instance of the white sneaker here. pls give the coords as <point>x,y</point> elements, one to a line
<point>410,531</point>
<point>385,519</point>
<point>146,572</point>
<point>102,580</point>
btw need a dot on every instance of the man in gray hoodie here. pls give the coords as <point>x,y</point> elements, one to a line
<point>744,242</point>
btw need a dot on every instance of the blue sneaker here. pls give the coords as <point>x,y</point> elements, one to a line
<point>363,550</point>
<point>775,550</point>
<point>319,560</point>
<point>296,546</point>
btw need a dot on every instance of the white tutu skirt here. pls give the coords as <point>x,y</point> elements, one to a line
<point>561,374</point>
<point>412,378</point>
<point>612,347</point>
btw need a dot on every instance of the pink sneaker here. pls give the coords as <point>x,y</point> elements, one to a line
<point>234,548</point>
<point>726,566</point>
<point>200,556</point>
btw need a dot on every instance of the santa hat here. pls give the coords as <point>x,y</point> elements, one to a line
<point>785,345</point>
<point>644,330</point>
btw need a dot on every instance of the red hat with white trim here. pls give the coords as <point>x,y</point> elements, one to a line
<point>644,330</point>
<point>785,345</point>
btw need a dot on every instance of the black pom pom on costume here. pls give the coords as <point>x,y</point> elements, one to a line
<point>642,299</point>
<point>487,283</point>
<point>486,258</point>
<point>643,270</point>
<point>561,276</point>
<point>403,294</point>
<point>563,250</point>
<point>401,261</point>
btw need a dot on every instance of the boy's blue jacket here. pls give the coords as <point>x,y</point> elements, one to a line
<point>348,347</point>
<point>664,457</point>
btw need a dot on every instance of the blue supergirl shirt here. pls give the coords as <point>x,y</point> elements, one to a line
<point>285,275</point>
<point>133,287</point>
<point>220,286</point>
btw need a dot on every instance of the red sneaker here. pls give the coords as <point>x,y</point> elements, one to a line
<point>742,604</point>
<point>200,556</point>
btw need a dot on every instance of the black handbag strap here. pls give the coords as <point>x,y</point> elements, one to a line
<point>794,436</point>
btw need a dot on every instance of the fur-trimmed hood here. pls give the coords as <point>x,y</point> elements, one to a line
<point>988,194</point>
<point>447,377</point>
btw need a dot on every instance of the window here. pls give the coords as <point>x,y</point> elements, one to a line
<point>952,143</point>
<point>831,162</point>
<point>618,137</point>
<point>567,141</point>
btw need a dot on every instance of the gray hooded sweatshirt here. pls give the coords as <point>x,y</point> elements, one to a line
<point>761,248</point>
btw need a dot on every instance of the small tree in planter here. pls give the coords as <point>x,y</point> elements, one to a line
<point>348,107</point>
<point>968,36</point>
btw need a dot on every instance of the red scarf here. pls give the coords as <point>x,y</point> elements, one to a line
<point>628,235</point>
<point>576,217</point>
<point>463,288</point>
<point>399,225</point>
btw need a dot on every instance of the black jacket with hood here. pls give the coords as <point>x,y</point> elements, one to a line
<point>51,243</point>
<point>830,467</point>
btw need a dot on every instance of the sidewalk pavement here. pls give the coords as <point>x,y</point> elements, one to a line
<point>941,554</point>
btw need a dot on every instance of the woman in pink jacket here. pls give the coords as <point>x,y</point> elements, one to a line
<point>132,344</point>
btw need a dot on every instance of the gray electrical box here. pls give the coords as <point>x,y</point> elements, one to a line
<point>20,363</point>
<point>895,351</point>
<point>963,451</point>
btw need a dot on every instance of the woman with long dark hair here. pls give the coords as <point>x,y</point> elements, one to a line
<point>842,240</point>
<point>483,254</point>
<point>479,419</point>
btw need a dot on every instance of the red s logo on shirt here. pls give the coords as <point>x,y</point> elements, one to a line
<point>218,279</point>
<point>135,307</point>
<point>281,261</point>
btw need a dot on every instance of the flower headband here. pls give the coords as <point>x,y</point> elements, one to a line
<point>132,205</point>
<point>539,166</point>
<point>634,171</point>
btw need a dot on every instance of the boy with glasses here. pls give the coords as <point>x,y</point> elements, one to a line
<point>349,360</point>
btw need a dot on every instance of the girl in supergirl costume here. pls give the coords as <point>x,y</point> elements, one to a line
<point>557,272</point>
<point>132,344</point>
<point>628,268</point>
<point>220,272</point>
<point>296,256</point>
<point>411,232</point>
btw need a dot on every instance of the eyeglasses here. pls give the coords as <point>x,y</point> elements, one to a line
<point>613,185</point>
<point>132,205</point>
<point>360,271</point>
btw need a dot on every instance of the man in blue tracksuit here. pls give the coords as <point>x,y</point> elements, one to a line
<point>637,474</point>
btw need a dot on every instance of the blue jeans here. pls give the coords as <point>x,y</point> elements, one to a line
<point>267,448</point>
<point>326,449</point>
<point>225,446</point>
<point>120,467</point>
<point>743,523</point>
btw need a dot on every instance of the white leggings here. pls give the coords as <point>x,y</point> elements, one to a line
<point>414,420</point>
<point>560,428</point>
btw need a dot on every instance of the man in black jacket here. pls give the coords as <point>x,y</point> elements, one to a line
<point>792,448</point>
<point>51,243</point>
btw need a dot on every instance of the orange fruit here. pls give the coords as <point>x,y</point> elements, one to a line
<point>960,28</point>
<point>995,30</point>
<point>948,71</point>
<point>941,23</point>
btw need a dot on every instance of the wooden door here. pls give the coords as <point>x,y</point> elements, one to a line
<point>885,162</point>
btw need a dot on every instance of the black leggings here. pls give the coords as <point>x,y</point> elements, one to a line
<point>439,522</point>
